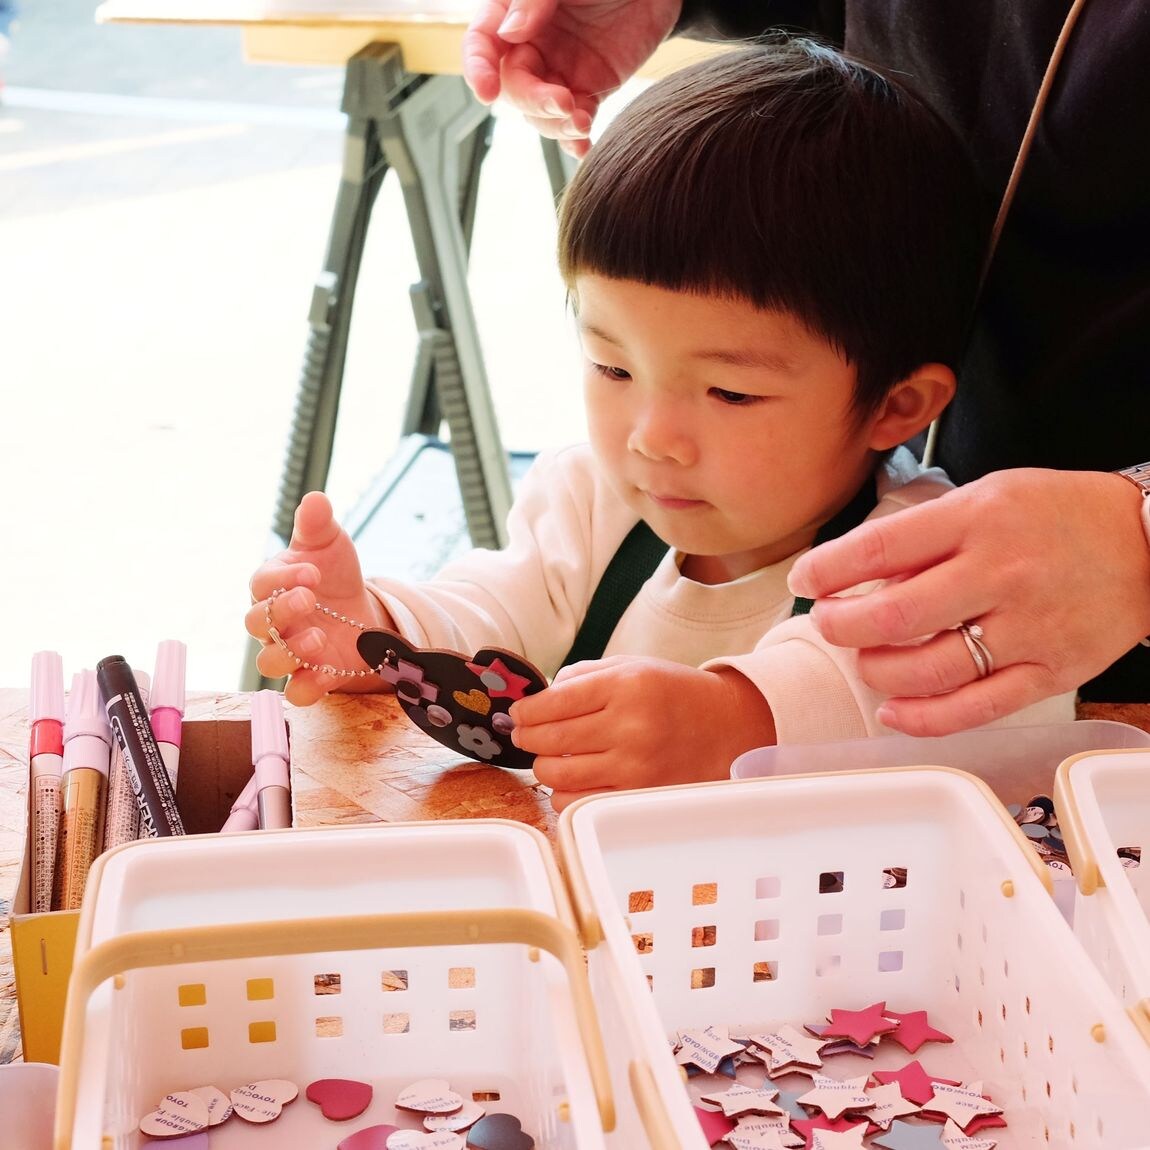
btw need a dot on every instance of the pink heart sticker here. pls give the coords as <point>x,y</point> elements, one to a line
<point>179,1113</point>
<point>263,1101</point>
<point>369,1138</point>
<point>340,1098</point>
<point>429,1096</point>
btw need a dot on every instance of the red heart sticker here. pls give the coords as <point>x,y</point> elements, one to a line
<point>340,1098</point>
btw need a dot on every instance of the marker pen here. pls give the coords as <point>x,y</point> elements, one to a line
<point>87,747</point>
<point>270,759</point>
<point>45,758</point>
<point>129,722</point>
<point>243,815</point>
<point>167,703</point>
<point>123,822</point>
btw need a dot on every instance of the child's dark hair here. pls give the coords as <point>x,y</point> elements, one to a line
<point>797,179</point>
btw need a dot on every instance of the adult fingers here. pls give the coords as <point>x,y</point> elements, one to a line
<point>483,49</point>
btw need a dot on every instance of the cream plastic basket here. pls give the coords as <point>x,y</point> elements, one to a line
<point>710,896</point>
<point>385,954</point>
<point>1103,805</point>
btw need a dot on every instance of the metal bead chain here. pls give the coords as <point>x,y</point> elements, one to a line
<point>303,664</point>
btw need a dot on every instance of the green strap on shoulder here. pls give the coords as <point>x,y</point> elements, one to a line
<point>638,556</point>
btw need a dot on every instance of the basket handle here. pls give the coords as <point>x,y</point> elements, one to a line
<point>652,1113</point>
<point>346,932</point>
<point>1083,861</point>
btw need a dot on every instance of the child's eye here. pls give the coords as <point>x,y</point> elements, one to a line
<point>735,398</point>
<point>611,372</point>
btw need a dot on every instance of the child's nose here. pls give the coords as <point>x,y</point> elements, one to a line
<point>661,432</point>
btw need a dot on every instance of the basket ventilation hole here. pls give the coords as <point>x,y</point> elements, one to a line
<point>393,980</point>
<point>830,924</point>
<point>262,1031</point>
<point>193,994</point>
<point>399,1023</point>
<point>770,886</point>
<point>327,984</point>
<point>260,989</point>
<point>461,1020</point>
<point>1025,1049</point>
<point>895,877</point>
<point>329,1026</point>
<point>704,893</point>
<point>194,1038</point>
<point>485,1096</point>
<point>563,1111</point>
<point>1050,1043</point>
<point>827,964</point>
<point>764,972</point>
<point>463,977</point>
<point>644,943</point>
<point>702,977</point>
<point>889,960</point>
<point>640,900</point>
<point>831,882</point>
<point>766,929</point>
<point>894,919</point>
<point>703,936</point>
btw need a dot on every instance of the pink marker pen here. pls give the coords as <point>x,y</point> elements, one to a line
<point>242,816</point>
<point>167,703</point>
<point>46,759</point>
<point>270,759</point>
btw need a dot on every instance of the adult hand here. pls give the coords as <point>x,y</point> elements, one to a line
<point>627,721</point>
<point>556,60</point>
<point>1052,565</point>
<point>320,563</point>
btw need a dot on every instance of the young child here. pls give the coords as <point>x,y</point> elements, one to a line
<point>771,256</point>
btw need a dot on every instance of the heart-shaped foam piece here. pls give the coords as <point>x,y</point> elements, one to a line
<point>429,1096</point>
<point>369,1138</point>
<point>425,1140</point>
<point>473,700</point>
<point>499,1132</point>
<point>180,1112</point>
<point>263,1101</point>
<point>340,1098</point>
<point>218,1103</point>
<point>198,1141</point>
<point>467,1115</point>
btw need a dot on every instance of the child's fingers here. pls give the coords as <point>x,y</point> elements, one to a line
<point>562,799</point>
<point>315,523</point>
<point>271,576</point>
<point>285,614</point>
<point>589,772</point>
<point>307,687</point>
<point>580,734</point>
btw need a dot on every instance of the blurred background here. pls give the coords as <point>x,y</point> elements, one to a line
<point>164,211</point>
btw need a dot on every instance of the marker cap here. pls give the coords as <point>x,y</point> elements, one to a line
<point>168,681</point>
<point>269,734</point>
<point>47,700</point>
<point>85,712</point>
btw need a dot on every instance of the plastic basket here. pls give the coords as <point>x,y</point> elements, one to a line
<point>384,954</point>
<point>710,895</point>
<point>1103,805</point>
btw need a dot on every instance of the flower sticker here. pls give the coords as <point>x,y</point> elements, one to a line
<point>477,741</point>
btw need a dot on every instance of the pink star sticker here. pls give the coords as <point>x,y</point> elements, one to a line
<point>913,1030</point>
<point>501,682</point>
<point>913,1081</point>
<point>859,1025</point>
<point>715,1126</point>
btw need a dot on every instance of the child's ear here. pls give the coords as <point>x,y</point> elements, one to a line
<point>911,405</point>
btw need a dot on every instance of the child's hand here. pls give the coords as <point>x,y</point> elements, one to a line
<point>628,722</point>
<point>320,564</point>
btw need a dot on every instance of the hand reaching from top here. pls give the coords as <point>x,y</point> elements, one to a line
<point>556,60</point>
<point>320,564</point>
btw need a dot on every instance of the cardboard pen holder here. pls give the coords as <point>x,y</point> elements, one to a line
<point>215,763</point>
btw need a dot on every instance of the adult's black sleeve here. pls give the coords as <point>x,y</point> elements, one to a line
<point>746,19</point>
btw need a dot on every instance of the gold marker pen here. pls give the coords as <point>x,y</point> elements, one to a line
<point>87,751</point>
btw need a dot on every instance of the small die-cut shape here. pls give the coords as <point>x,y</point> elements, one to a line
<point>339,1099</point>
<point>197,1141</point>
<point>429,1096</point>
<point>835,1096</point>
<point>706,1048</point>
<point>180,1112</point>
<point>263,1101</point>
<point>889,1104</point>
<point>954,1139</point>
<point>499,1132</point>
<point>369,1138</point>
<point>807,1126</point>
<point>908,1136</point>
<point>913,1030</point>
<point>974,1126</point>
<point>218,1103</point>
<point>963,1102</point>
<point>425,1140</point>
<point>715,1126</point>
<point>787,1046</point>
<point>851,1139</point>
<point>860,1025</point>
<point>740,1100</point>
<point>833,1046</point>
<point>788,1100</point>
<point>728,1068</point>
<point>467,1115</point>
<point>914,1082</point>
<point>757,1132</point>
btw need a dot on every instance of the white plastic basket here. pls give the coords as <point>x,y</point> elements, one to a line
<point>384,954</point>
<point>1103,805</point>
<point>719,886</point>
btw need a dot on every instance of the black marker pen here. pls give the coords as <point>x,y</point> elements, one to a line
<point>128,719</point>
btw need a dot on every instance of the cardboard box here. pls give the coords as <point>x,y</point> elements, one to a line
<point>215,763</point>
